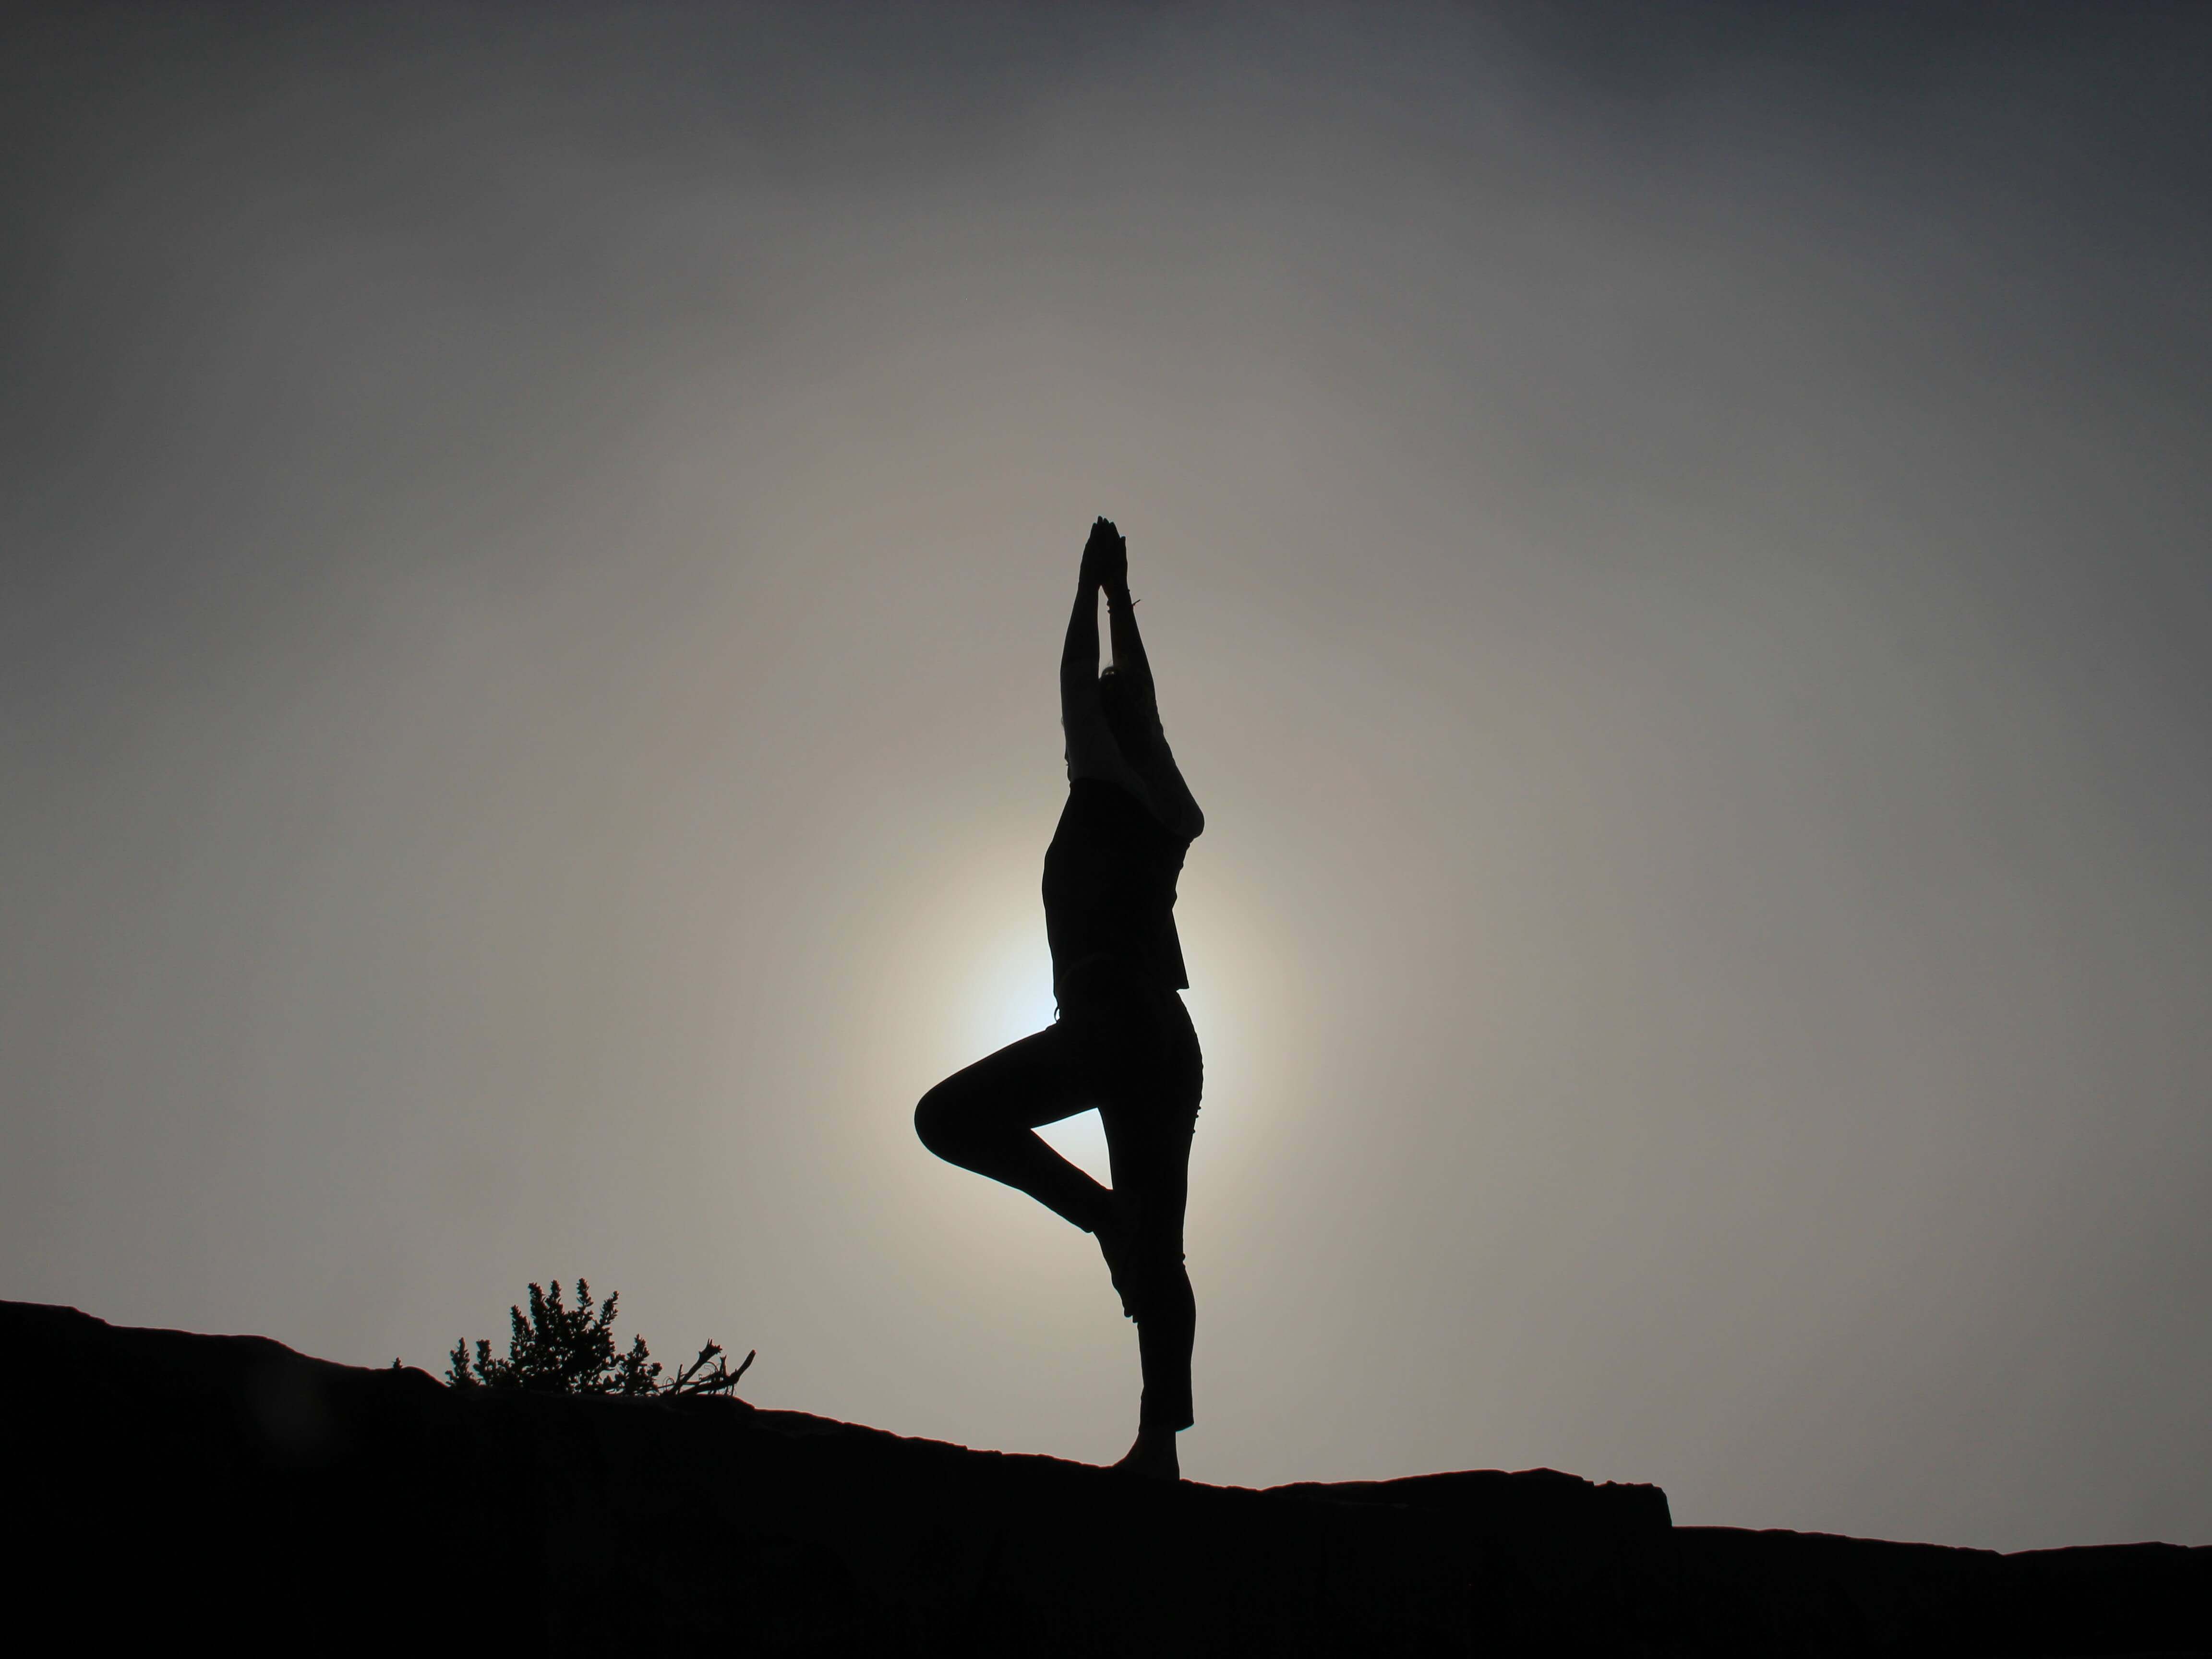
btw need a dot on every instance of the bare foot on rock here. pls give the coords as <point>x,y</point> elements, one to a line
<point>1153,1456</point>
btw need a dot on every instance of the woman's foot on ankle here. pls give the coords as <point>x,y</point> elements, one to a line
<point>1113,1233</point>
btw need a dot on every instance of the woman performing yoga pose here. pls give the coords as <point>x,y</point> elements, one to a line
<point>1123,1043</point>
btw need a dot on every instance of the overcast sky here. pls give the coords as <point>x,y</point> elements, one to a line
<point>1673,543</point>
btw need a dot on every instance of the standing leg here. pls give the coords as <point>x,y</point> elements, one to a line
<point>984,1117</point>
<point>1151,1153</point>
<point>1149,1125</point>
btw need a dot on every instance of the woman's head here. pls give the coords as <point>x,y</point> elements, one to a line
<point>1132,716</point>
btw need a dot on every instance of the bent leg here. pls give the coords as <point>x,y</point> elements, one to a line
<point>984,1117</point>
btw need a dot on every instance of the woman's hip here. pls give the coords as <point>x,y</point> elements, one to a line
<point>1133,1034</point>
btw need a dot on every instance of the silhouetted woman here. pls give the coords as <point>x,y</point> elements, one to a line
<point>1122,1043</point>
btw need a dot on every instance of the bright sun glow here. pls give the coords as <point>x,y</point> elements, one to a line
<point>1012,998</point>
<point>993,986</point>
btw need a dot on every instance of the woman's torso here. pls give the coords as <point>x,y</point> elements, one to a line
<point>1109,888</point>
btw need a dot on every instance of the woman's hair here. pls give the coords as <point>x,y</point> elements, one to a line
<point>1132,717</point>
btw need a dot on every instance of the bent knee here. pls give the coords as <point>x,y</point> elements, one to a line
<point>936,1121</point>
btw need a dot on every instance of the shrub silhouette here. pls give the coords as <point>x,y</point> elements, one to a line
<point>558,1349</point>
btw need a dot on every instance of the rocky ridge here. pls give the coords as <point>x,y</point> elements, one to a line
<point>174,1481</point>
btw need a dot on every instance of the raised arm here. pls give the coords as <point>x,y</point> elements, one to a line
<point>1153,761</point>
<point>1078,654</point>
<point>1091,750</point>
<point>1129,659</point>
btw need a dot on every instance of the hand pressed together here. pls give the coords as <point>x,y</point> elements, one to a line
<point>1106,557</point>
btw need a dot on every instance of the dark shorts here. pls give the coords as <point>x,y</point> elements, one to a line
<point>1131,1041</point>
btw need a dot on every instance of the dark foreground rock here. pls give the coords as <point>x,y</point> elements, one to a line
<point>173,1483</point>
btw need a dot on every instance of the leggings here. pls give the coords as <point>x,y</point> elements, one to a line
<point>1124,1045</point>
